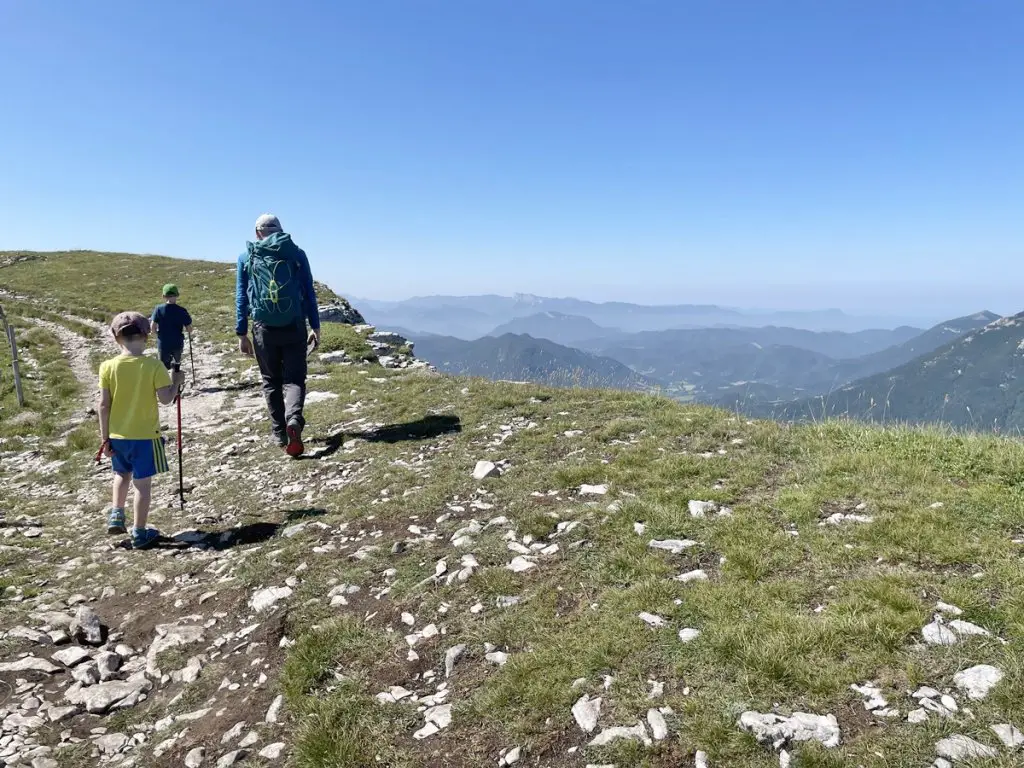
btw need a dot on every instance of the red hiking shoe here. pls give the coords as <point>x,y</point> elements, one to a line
<point>294,448</point>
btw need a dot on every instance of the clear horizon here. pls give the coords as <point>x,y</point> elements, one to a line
<point>790,154</point>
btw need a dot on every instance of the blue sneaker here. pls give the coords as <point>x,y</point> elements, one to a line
<point>116,522</point>
<point>142,538</point>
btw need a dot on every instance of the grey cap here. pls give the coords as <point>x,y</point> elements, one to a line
<point>268,222</point>
<point>129,324</point>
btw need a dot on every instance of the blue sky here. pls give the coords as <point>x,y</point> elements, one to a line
<point>865,154</point>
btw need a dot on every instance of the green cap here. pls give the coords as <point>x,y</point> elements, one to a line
<point>170,290</point>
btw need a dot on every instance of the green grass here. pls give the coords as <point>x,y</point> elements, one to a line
<point>792,614</point>
<point>95,285</point>
<point>49,386</point>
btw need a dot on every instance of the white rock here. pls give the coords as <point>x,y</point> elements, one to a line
<point>675,546</point>
<point>86,674</point>
<point>73,656</point>
<point>441,715</point>
<point>87,626</point>
<point>108,664</point>
<point>611,735</point>
<point>266,598</point>
<point>521,564</point>
<point>59,714</point>
<point>959,747</point>
<point>1009,735</point>
<point>873,699</point>
<point>652,620</point>
<point>451,658</point>
<point>593,490</point>
<point>273,751</point>
<point>938,633</point>
<point>659,728</point>
<point>639,528</point>
<point>941,762</point>
<point>948,609</point>
<point>586,712</point>
<point>702,508</point>
<point>800,726</point>
<point>924,692</point>
<point>512,757</point>
<point>966,628</point>
<point>408,619</point>
<point>97,699</point>
<point>697,575</point>
<point>918,716</point>
<point>112,743</point>
<point>30,664</point>
<point>688,634</point>
<point>700,760</point>
<point>195,758</point>
<point>231,758</point>
<point>250,739</point>
<point>978,680</point>
<point>233,733</point>
<point>940,709</point>
<point>426,731</point>
<point>497,657</point>
<point>319,397</point>
<point>485,469</point>
<point>275,710</point>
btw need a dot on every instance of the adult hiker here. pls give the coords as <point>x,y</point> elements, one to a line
<point>274,287</point>
<point>170,322</point>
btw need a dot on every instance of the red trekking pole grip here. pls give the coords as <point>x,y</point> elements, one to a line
<point>99,453</point>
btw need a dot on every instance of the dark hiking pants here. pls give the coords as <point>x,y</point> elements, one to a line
<point>169,355</point>
<point>281,354</point>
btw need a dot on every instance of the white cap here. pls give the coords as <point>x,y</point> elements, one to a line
<point>268,222</point>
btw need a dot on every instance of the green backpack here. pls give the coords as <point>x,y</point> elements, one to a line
<point>275,280</point>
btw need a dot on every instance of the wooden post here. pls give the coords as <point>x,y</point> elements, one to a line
<point>9,331</point>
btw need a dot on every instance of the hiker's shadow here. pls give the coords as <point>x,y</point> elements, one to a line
<point>238,386</point>
<point>252,533</point>
<point>242,535</point>
<point>422,429</point>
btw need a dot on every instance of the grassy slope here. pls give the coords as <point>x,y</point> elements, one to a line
<point>771,568</point>
<point>96,286</point>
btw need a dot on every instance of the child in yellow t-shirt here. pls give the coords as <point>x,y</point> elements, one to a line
<point>130,386</point>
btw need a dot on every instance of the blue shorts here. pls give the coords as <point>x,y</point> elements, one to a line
<point>139,458</point>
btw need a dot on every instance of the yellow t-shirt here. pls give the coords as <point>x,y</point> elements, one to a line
<point>133,381</point>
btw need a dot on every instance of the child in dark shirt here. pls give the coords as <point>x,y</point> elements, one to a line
<point>170,322</point>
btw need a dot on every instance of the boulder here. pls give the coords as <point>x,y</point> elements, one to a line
<point>340,311</point>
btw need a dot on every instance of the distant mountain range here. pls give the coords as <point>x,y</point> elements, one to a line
<point>470,317</point>
<point>962,372</point>
<point>774,372</point>
<point>523,358</point>
<point>976,381</point>
<point>557,327</point>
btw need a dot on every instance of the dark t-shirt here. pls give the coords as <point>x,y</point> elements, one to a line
<point>171,320</point>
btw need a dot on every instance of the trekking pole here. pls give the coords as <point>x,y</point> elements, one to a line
<point>192,360</point>
<point>181,471</point>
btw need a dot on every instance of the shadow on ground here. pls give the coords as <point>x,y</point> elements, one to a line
<point>240,386</point>
<point>422,429</point>
<point>240,536</point>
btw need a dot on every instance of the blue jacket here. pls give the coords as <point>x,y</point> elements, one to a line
<point>309,305</point>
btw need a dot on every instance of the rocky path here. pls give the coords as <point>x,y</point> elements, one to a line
<point>163,643</point>
<point>76,349</point>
